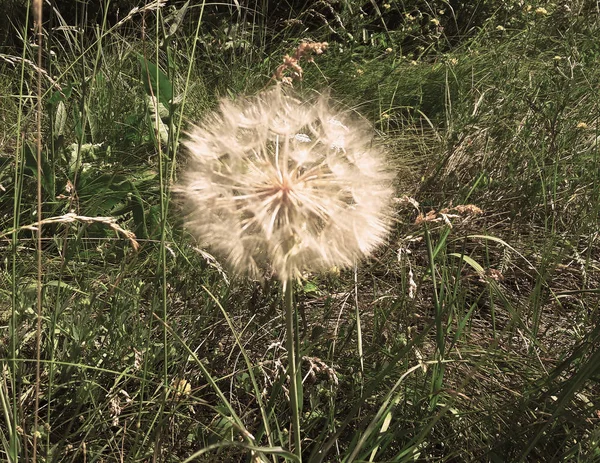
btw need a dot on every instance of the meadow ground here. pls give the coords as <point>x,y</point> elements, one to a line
<point>470,335</point>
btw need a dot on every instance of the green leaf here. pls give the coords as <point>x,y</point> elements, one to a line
<point>175,19</point>
<point>156,82</point>
<point>48,177</point>
<point>62,284</point>
<point>310,287</point>
<point>139,215</point>
<point>60,95</point>
<point>469,260</point>
<point>60,119</point>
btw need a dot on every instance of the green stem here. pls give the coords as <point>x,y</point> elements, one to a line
<point>292,367</point>
<point>438,368</point>
<point>13,450</point>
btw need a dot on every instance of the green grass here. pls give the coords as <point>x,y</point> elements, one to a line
<point>467,337</point>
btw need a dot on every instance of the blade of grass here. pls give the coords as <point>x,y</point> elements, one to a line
<point>383,410</point>
<point>233,415</point>
<point>37,13</point>
<point>249,365</point>
<point>359,339</point>
<point>320,452</point>
<point>438,368</point>
<point>275,451</point>
<point>18,191</point>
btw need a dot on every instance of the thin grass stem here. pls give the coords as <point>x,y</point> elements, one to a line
<point>438,368</point>
<point>37,12</point>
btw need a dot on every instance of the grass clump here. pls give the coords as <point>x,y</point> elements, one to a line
<point>471,335</point>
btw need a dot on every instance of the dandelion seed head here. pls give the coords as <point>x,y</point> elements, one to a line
<point>277,183</point>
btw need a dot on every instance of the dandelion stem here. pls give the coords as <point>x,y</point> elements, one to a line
<point>295,383</point>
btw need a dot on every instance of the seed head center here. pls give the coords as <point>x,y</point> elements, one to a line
<point>284,188</point>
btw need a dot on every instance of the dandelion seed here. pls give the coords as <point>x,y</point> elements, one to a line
<point>500,28</point>
<point>277,183</point>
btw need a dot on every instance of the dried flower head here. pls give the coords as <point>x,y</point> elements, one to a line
<point>291,64</point>
<point>277,183</point>
<point>182,387</point>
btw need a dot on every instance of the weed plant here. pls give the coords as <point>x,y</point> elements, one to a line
<point>472,335</point>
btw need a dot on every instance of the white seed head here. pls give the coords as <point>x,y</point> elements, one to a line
<point>273,182</point>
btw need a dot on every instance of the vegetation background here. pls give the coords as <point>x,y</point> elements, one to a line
<point>472,336</point>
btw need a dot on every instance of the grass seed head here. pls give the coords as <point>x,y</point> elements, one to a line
<point>275,183</point>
